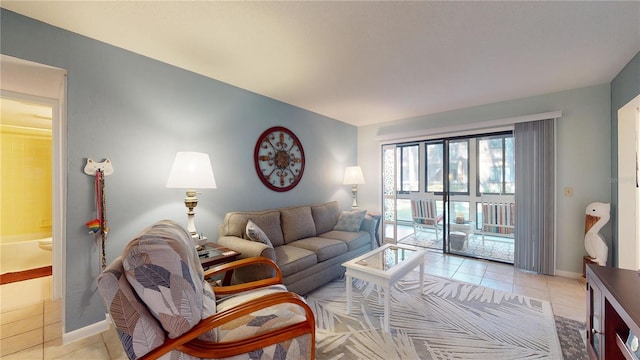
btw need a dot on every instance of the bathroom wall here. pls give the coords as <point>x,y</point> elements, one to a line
<point>26,175</point>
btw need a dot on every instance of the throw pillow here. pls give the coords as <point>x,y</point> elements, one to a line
<point>350,220</point>
<point>254,233</point>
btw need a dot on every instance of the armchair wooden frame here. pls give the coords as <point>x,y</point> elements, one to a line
<point>189,344</point>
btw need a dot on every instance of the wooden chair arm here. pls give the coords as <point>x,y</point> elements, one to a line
<point>188,343</point>
<point>221,291</point>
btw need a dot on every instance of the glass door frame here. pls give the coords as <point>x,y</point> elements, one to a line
<point>393,209</point>
<point>389,194</point>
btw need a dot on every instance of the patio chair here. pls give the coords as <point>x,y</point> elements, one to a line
<point>424,213</point>
<point>162,306</point>
<point>498,216</point>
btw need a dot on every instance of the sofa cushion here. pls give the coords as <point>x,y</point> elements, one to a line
<point>354,240</point>
<point>323,247</point>
<point>292,259</point>
<point>268,221</point>
<point>162,266</point>
<point>297,223</point>
<point>325,216</point>
<point>265,320</point>
<point>350,220</point>
<point>234,300</point>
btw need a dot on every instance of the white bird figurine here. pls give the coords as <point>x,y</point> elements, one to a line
<point>597,216</point>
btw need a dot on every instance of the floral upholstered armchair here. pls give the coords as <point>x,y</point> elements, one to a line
<point>162,305</point>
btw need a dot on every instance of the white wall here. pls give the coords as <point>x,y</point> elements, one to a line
<point>583,156</point>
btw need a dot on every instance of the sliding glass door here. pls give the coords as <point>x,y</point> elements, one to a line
<point>456,172</point>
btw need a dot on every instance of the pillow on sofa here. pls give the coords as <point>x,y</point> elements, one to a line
<point>254,233</point>
<point>350,220</point>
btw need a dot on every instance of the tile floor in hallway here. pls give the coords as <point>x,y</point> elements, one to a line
<point>567,297</point>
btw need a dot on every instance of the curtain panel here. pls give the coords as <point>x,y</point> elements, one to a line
<point>535,196</point>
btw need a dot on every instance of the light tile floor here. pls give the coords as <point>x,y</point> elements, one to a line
<point>567,297</point>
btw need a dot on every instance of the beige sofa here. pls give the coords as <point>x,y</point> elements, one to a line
<point>309,243</point>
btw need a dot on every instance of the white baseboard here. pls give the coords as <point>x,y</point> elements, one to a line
<point>568,274</point>
<point>86,331</point>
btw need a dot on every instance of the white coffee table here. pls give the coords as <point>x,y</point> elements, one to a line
<point>383,267</point>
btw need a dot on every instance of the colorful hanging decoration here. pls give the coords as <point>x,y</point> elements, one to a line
<point>98,226</point>
<point>93,226</point>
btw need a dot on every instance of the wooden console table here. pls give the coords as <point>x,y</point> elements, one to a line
<point>613,310</point>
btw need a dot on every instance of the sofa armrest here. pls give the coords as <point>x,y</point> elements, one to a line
<point>369,225</point>
<point>247,248</point>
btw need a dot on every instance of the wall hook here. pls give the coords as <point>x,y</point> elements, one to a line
<point>92,167</point>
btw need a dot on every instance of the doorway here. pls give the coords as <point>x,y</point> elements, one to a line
<point>26,182</point>
<point>44,86</point>
<point>628,185</point>
<point>36,83</point>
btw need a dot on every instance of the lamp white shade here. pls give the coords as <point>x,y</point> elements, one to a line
<point>191,170</point>
<point>353,176</point>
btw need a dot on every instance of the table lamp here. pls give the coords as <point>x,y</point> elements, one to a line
<point>191,170</point>
<point>353,176</point>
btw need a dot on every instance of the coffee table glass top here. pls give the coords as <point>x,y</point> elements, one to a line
<point>387,258</point>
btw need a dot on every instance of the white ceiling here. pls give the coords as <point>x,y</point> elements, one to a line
<point>369,62</point>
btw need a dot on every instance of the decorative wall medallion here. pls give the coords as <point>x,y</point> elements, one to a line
<point>279,159</point>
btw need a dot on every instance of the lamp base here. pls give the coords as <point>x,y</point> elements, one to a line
<point>354,192</point>
<point>191,201</point>
<point>191,224</point>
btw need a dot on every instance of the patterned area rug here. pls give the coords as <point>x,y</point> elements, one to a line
<point>572,335</point>
<point>495,248</point>
<point>450,320</point>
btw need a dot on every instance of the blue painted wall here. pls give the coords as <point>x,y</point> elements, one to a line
<point>624,87</point>
<point>139,112</point>
<point>582,155</point>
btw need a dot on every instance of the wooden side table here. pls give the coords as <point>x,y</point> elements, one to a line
<point>213,254</point>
